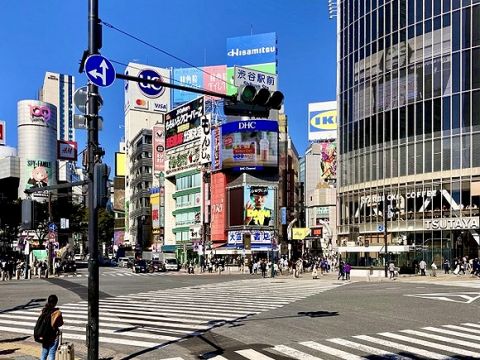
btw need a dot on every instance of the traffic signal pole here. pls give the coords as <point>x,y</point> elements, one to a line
<point>94,35</point>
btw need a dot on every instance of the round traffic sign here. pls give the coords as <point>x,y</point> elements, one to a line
<point>99,70</point>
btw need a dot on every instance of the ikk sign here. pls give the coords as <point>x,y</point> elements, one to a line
<point>322,121</point>
<point>67,150</point>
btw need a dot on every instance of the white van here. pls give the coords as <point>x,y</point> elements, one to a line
<point>123,261</point>
<point>172,265</point>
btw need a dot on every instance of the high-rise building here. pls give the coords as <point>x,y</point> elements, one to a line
<point>58,90</point>
<point>409,127</point>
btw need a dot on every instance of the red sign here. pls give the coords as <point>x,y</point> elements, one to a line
<point>2,132</point>
<point>218,222</point>
<point>67,150</point>
<point>158,148</point>
<point>317,232</point>
<point>215,78</point>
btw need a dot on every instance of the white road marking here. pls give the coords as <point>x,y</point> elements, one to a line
<point>296,354</point>
<point>331,351</point>
<point>368,349</point>
<point>253,355</point>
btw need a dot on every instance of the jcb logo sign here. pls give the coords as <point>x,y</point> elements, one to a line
<point>322,121</point>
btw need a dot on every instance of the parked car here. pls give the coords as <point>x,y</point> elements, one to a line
<point>140,266</point>
<point>68,266</point>
<point>172,265</point>
<point>155,265</point>
<point>123,261</point>
<point>79,257</point>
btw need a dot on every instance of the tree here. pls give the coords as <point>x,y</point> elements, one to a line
<point>106,222</point>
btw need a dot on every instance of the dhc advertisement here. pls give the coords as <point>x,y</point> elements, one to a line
<point>252,49</point>
<point>249,145</point>
<point>322,121</point>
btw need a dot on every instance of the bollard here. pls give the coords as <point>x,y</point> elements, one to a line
<point>17,274</point>
<point>4,274</point>
<point>371,270</point>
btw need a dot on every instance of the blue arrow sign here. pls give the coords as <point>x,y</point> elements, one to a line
<point>52,227</point>
<point>380,228</point>
<point>99,70</point>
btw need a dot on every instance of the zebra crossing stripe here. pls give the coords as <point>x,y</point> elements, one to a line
<point>434,345</point>
<point>442,338</point>
<point>472,325</point>
<point>218,357</point>
<point>331,351</point>
<point>454,333</point>
<point>462,328</point>
<point>251,354</point>
<point>366,348</point>
<point>296,354</point>
<point>402,347</point>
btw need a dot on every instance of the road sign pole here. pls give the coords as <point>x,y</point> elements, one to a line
<point>94,34</point>
<point>385,238</point>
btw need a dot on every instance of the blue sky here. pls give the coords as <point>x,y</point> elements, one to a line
<point>50,35</point>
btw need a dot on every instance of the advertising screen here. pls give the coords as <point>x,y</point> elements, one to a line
<point>249,145</point>
<point>259,205</point>
<point>39,174</point>
<point>328,163</point>
<point>182,124</point>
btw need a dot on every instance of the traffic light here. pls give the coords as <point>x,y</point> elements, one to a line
<point>252,102</point>
<point>27,214</point>
<point>101,172</point>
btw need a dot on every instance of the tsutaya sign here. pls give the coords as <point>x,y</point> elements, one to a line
<point>451,224</point>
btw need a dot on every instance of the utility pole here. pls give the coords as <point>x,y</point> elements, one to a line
<point>94,36</point>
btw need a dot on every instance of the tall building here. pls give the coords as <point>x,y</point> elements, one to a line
<point>58,90</point>
<point>409,118</point>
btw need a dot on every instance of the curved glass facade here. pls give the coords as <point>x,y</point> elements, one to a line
<point>409,128</point>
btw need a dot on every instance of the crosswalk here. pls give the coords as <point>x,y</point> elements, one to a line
<point>442,342</point>
<point>155,318</point>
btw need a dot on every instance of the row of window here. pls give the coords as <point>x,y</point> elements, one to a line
<point>187,200</point>
<point>187,182</point>
<point>187,218</point>
<point>458,152</point>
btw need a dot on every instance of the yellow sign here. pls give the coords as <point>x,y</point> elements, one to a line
<point>120,162</point>
<point>326,120</point>
<point>300,233</point>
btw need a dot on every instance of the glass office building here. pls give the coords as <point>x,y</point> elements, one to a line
<point>409,129</point>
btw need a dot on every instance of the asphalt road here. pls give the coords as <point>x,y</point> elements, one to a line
<point>241,316</point>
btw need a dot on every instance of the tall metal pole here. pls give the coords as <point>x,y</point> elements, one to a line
<point>94,33</point>
<point>385,221</point>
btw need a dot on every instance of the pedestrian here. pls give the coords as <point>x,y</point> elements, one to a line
<point>391,269</point>
<point>434,269</point>
<point>263,268</point>
<point>314,273</point>
<point>446,266</point>
<point>48,335</point>
<point>347,268</point>
<point>341,271</point>
<point>422,265</point>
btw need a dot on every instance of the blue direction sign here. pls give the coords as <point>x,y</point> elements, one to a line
<point>52,227</point>
<point>380,228</point>
<point>99,70</point>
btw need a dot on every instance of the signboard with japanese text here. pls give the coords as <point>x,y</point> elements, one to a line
<point>215,78</point>
<point>67,150</point>
<point>158,133</point>
<point>183,124</point>
<point>191,77</point>
<point>182,159</point>
<point>218,204</point>
<point>270,68</point>
<point>206,141</point>
<point>155,203</point>
<point>258,239</point>
<point>216,148</point>
<point>259,79</point>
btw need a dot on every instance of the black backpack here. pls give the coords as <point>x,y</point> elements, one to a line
<point>44,332</point>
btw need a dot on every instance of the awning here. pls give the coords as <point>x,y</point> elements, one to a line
<point>373,249</point>
<point>169,248</point>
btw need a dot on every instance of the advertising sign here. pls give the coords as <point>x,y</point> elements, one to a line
<point>147,97</point>
<point>328,163</point>
<point>249,145</point>
<point>322,121</point>
<point>300,233</point>
<point>2,133</point>
<point>182,159</point>
<point>206,140</point>
<point>119,200</point>
<point>218,206</point>
<point>192,77</point>
<point>215,78</point>
<point>39,174</point>
<point>259,209</point>
<point>158,148</point>
<point>216,148</point>
<point>120,162</point>
<point>182,124</point>
<point>155,203</point>
<point>259,240</point>
<point>67,150</point>
<point>118,237</point>
<point>252,49</point>
<point>259,79</point>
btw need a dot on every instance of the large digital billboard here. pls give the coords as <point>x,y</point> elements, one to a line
<point>249,145</point>
<point>259,205</point>
<point>322,120</point>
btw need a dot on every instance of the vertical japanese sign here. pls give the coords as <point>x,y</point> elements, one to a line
<point>158,148</point>
<point>205,145</point>
<point>216,148</point>
<point>155,202</point>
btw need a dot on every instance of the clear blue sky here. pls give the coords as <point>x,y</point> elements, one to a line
<point>50,35</point>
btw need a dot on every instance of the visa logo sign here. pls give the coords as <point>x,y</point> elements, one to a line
<point>323,120</point>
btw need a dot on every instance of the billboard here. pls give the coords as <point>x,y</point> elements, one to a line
<point>218,206</point>
<point>38,174</point>
<point>192,77</point>
<point>322,121</point>
<point>215,78</point>
<point>118,237</point>
<point>270,68</point>
<point>2,132</point>
<point>147,97</point>
<point>249,145</point>
<point>158,148</point>
<point>67,150</point>
<point>155,202</point>
<point>252,49</point>
<point>259,205</point>
<point>328,162</point>
<point>182,124</point>
<point>120,162</point>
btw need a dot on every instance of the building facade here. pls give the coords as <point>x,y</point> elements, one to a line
<point>409,117</point>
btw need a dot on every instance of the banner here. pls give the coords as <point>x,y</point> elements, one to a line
<point>216,148</point>
<point>259,209</point>
<point>39,174</point>
<point>120,163</point>
<point>218,206</point>
<point>158,148</point>
<point>328,163</point>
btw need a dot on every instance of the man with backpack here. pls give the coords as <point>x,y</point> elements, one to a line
<point>46,329</point>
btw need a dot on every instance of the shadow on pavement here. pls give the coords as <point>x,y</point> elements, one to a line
<point>8,351</point>
<point>79,289</point>
<point>31,304</point>
<point>14,339</point>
